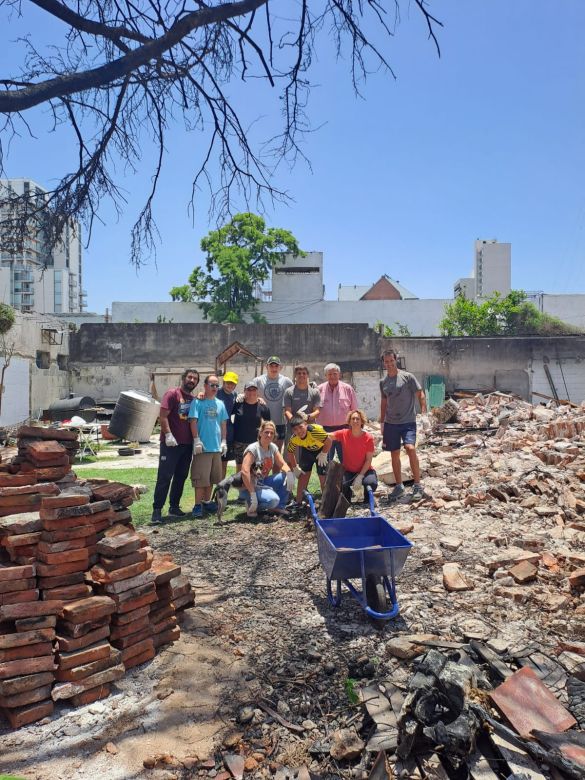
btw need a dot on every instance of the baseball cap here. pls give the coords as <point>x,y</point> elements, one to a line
<point>231,376</point>
<point>274,359</point>
<point>249,385</point>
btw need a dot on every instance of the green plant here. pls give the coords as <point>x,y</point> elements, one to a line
<point>510,315</point>
<point>387,332</point>
<point>349,685</point>
<point>7,318</point>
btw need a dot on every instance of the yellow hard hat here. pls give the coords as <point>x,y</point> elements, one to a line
<point>231,376</point>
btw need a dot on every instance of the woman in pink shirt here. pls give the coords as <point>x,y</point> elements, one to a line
<point>358,451</point>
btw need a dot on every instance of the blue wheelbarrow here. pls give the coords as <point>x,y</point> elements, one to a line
<point>369,549</point>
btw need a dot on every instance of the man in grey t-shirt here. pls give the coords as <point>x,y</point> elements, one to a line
<point>398,390</point>
<point>271,387</point>
<point>301,398</point>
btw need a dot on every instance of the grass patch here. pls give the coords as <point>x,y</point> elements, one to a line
<point>142,509</point>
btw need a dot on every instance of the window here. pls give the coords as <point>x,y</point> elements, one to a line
<point>63,362</point>
<point>43,359</point>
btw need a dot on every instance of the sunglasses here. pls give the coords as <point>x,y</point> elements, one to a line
<point>213,384</point>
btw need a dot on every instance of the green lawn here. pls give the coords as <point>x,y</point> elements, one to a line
<point>142,509</point>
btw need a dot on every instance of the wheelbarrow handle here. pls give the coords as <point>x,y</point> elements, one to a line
<point>311,503</point>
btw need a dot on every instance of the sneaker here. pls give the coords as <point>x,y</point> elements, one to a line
<point>293,506</point>
<point>210,507</point>
<point>176,511</point>
<point>396,493</point>
<point>156,518</point>
<point>197,511</point>
<point>417,493</point>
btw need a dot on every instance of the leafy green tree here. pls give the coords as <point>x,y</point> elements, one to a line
<point>511,315</point>
<point>387,332</point>
<point>240,257</point>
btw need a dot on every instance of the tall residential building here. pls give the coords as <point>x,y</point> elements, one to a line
<point>34,277</point>
<point>492,271</point>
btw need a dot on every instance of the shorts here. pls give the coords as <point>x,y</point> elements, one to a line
<point>307,460</point>
<point>280,432</point>
<point>229,454</point>
<point>396,434</point>
<point>206,469</point>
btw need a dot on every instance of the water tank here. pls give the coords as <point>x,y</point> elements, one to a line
<point>134,416</point>
<point>80,405</point>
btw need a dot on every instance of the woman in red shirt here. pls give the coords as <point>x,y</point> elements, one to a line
<point>358,451</point>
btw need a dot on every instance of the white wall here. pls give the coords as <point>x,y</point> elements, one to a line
<point>422,317</point>
<point>287,286</point>
<point>569,308</point>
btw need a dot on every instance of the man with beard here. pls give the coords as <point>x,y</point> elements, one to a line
<point>176,446</point>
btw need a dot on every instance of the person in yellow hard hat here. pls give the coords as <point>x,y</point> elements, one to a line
<point>227,394</point>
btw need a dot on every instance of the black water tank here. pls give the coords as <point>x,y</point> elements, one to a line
<point>81,405</point>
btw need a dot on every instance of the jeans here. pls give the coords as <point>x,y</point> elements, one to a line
<point>336,447</point>
<point>173,467</point>
<point>271,494</point>
<point>370,480</point>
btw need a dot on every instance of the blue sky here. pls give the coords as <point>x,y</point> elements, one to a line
<point>486,142</point>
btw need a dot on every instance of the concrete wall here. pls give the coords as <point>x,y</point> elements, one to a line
<point>106,359</point>
<point>291,282</point>
<point>29,389</point>
<point>421,317</point>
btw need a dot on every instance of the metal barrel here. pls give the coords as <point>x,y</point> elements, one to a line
<point>134,416</point>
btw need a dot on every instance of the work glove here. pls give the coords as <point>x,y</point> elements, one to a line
<point>297,471</point>
<point>289,481</point>
<point>253,506</point>
<point>356,485</point>
<point>224,447</point>
<point>322,459</point>
<point>197,446</point>
<point>170,440</point>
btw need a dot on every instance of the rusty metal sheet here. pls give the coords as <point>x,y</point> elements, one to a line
<point>528,704</point>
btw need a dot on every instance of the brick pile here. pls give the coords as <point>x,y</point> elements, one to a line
<point>80,600</point>
<point>27,661</point>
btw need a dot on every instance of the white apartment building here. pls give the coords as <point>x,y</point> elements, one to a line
<point>492,271</point>
<point>32,276</point>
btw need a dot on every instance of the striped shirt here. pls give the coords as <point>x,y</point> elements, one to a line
<point>313,441</point>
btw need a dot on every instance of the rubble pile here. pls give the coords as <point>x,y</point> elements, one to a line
<point>76,583</point>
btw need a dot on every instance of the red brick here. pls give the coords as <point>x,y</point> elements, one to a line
<point>168,610</point>
<point>66,534</point>
<point>26,637</point>
<point>117,632</point>
<point>16,572</point>
<point>77,673</point>
<point>19,597</point>
<point>166,637</point>
<point>14,611</point>
<point>22,503</point>
<point>111,564</point>
<point>88,697</point>
<point>117,546</point>
<point>21,540</point>
<point>81,555</point>
<point>184,602</point>
<point>104,577</point>
<point>135,603</point>
<point>45,451</point>
<point>65,512</point>
<point>83,656</point>
<point>81,629</point>
<point>12,585</point>
<point>65,690</point>
<point>27,683</point>
<point>27,697</point>
<point>15,480</point>
<point>47,434</point>
<point>124,642</point>
<point>62,524</point>
<point>164,570</point>
<point>132,585</point>
<point>69,644</point>
<point>59,569</point>
<point>46,583</point>
<point>22,716</point>
<point>46,489</point>
<point>134,593</point>
<point>64,499</point>
<point>142,658</point>
<point>92,608</point>
<point>163,625</point>
<point>123,619</point>
<point>23,523</point>
<point>34,623</point>
<point>26,666</point>
<point>37,650</point>
<point>68,592</point>
<point>70,544</point>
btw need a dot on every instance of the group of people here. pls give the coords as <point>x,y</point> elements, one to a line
<point>276,431</point>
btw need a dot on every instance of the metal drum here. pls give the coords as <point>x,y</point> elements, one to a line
<point>134,417</point>
<point>81,405</point>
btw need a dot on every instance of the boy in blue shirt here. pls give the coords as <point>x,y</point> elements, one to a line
<point>208,420</point>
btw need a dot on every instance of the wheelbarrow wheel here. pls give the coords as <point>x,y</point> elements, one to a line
<point>376,597</point>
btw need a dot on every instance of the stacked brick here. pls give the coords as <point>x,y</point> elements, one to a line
<point>47,453</point>
<point>80,599</point>
<point>87,664</point>
<point>27,661</point>
<point>123,573</point>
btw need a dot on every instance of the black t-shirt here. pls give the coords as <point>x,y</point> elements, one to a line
<point>247,419</point>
